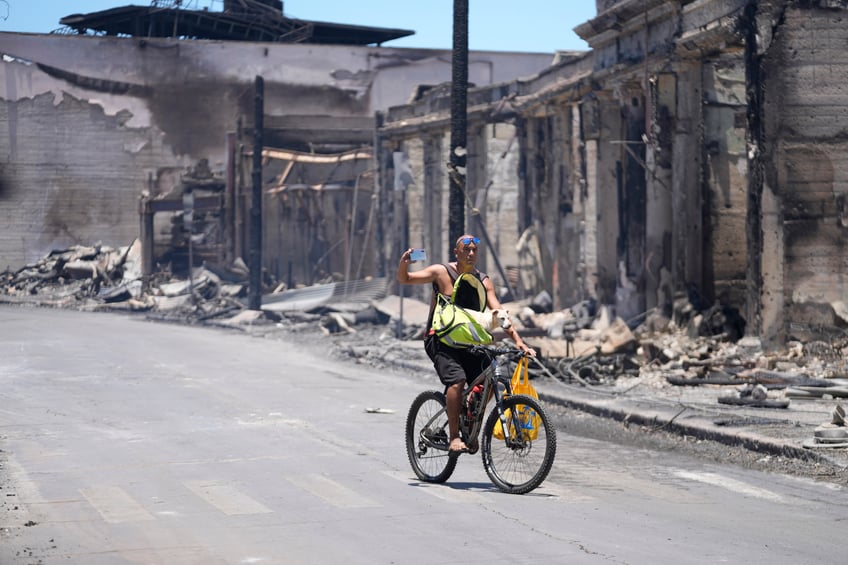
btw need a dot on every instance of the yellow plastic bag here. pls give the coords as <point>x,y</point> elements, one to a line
<point>529,420</point>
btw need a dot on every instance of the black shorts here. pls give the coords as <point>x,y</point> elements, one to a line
<point>454,365</point>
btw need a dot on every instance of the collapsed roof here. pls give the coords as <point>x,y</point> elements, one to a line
<point>240,20</point>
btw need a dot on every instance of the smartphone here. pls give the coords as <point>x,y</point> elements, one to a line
<point>418,255</point>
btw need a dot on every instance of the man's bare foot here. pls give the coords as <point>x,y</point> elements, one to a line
<point>458,446</point>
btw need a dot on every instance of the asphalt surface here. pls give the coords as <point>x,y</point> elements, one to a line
<point>131,441</point>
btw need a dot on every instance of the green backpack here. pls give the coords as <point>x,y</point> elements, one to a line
<point>452,324</point>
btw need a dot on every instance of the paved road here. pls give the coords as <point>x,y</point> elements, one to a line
<point>126,441</point>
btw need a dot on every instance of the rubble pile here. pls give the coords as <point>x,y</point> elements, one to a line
<point>100,277</point>
<point>686,347</point>
<point>74,275</point>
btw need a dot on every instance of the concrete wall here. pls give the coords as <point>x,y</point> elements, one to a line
<point>72,172</point>
<point>688,232</point>
<point>501,202</point>
<point>805,189</point>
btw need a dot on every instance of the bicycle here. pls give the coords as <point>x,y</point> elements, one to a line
<point>516,464</point>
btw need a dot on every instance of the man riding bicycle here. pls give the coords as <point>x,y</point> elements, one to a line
<point>455,365</point>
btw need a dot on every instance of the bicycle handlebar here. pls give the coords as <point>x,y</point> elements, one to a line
<point>494,351</point>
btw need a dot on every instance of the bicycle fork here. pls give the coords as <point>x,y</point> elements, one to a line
<point>511,425</point>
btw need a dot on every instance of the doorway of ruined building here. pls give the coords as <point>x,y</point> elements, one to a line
<point>318,215</point>
<point>631,183</point>
<point>183,221</point>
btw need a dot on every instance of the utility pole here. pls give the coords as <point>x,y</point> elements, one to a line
<point>255,235</point>
<point>459,123</point>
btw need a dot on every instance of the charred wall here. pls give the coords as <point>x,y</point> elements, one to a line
<point>550,195</point>
<point>805,112</point>
<point>725,174</point>
<point>73,175</point>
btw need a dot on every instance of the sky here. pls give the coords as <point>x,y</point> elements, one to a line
<point>493,25</point>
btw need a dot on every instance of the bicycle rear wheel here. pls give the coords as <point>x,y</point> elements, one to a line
<point>427,438</point>
<point>520,461</point>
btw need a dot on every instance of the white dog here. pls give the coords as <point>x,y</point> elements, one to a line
<point>492,319</point>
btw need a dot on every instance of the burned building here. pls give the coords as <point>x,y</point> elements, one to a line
<point>697,151</point>
<point>106,125</point>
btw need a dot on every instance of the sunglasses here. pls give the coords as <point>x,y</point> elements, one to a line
<point>469,240</point>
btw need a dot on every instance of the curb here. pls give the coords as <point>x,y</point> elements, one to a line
<point>698,428</point>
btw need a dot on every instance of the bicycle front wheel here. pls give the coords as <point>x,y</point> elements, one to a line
<point>427,438</point>
<point>520,461</point>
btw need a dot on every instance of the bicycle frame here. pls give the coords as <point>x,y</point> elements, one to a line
<point>495,385</point>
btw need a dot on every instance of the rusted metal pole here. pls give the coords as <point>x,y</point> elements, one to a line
<point>255,236</point>
<point>459,123</point>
